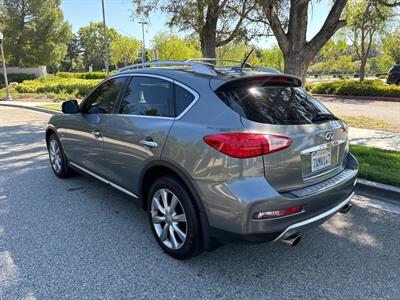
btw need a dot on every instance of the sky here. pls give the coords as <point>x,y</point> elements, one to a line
<point>119,16</point>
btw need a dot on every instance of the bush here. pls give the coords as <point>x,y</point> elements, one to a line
<point>58,85</point>
<point>87,75</point>
<point>355,88</point>
<point>16,78</point>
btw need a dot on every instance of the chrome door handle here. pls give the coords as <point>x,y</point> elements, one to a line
<point>97,134</point>
<point>150,144</point>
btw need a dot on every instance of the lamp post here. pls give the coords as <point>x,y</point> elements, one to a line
<point>106,60</point>
<point>8,95</point>
<point>143,47</point>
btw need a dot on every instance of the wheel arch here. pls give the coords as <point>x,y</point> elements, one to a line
<point>159,168</point>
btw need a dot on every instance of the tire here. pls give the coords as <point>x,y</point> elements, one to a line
<point>58,161</point>
<point>181,218</point>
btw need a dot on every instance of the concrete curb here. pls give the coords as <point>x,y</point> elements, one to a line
<point>381,191</point>
<point>34,108</point>
<point>367,98</point>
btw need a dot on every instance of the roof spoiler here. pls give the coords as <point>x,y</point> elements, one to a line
<point>257,80</point>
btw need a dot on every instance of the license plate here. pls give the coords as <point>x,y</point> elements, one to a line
<point>320,159</point>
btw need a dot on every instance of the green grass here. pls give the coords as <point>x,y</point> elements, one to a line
<point>366,122</point>
<point>52,106</point>
<point>378,165</point>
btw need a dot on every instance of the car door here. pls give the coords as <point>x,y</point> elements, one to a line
<point>137,134</point>
<point>83,139</point>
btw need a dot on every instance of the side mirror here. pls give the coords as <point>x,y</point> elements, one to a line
<point>70,107</point>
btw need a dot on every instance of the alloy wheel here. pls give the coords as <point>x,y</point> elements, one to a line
<point>169,219</point>
<point>55,156</point>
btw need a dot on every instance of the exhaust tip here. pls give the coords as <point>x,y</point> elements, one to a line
<point>292,240</point>
<point>345,209</point>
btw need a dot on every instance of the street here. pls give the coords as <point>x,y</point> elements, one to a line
<point>78,238</point>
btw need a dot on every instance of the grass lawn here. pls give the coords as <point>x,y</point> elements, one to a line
<point>378,165</point>
<point>366,122</point>
<point>52,106</point>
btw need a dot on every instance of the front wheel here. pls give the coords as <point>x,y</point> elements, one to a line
<point>58,161</point>
<point>173,218</point>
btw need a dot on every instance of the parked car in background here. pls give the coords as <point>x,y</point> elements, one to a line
<point>394,75</point>
<point>214,154</point>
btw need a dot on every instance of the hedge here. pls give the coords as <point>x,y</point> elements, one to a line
<point>16,78</point>
<point>87,75</point>
<point>55,84</point>
<point>355,88</point>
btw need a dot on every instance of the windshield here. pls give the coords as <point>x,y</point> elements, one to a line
<point>275,104</point>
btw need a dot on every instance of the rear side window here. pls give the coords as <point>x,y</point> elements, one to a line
<point>395,68</point>
<point>147,96</point>
<point>280,105</point>
<point>183,98</point>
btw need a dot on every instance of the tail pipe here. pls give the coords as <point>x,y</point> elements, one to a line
<point>345,209</point>
<point>292,240</point>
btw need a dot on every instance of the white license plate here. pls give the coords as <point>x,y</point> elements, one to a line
<point>320,159</point>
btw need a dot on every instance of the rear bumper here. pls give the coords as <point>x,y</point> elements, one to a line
<point>319,203</point>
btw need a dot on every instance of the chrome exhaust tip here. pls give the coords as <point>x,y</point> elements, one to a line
<point>292,240</point>
<point>345,209</point>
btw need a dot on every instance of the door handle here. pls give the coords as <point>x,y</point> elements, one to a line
<point>97,134</point>
<point>149,143</point>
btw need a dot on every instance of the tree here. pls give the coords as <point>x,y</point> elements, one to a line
<point>237,52</point>
<point>91,38</point>
<point>391,46</point>
<point>290,29</point>
<point>172,47</point>
<point>124,50</point>
<point>215,22</point>
<point>35,32</point>
<point>273,58</point>
<point>365,19</point>
<point>73,60</point>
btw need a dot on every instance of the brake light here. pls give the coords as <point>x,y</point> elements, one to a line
<point>246,145</point>
<point>278,213</point>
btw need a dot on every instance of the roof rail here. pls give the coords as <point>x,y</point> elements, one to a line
<point>205,60</point>
<point>201,68</point>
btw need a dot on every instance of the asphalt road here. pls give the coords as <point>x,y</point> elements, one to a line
<point>78,238</point>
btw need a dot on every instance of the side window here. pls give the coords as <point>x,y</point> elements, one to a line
<point>102,99</point>
<point>183,98</point>
<point>147,96</point>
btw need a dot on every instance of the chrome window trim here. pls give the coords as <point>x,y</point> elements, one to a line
<point>103,180</point>
<point>194,101</point>
<point>314,219</point>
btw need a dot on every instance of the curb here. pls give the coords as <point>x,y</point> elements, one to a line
<point>34,108</point>
<point>366,98</point>
<point>381,191</point>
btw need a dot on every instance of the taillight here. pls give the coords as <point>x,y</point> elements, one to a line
<point>246,145</point>
<point>278,213</point>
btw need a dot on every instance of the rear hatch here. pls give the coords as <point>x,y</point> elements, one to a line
<point>277,105</point>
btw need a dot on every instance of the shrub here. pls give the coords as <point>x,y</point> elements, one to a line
<point>87,75</point>
<point>58,85</point>
<point>16,78</point>
<point>356,88</point>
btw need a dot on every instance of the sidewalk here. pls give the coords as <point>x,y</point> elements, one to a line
<point>366,137</point>
<point>375,138</point>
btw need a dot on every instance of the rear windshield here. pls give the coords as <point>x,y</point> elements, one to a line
<point>281,105</point>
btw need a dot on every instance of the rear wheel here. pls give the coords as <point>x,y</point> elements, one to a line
<point>58,161</point>
<point>173,218</point>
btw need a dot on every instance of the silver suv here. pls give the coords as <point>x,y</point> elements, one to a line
<point>214,154</point>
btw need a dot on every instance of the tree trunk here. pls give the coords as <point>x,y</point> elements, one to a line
<point>296,64</point>
<point>362,68</point>
<point>208,42</point>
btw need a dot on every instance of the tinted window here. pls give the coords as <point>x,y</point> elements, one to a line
<point>395,68</point>
<point>102,99</point>
<point>273,104</point>
<point>147,96</point>
<point>183,98</point>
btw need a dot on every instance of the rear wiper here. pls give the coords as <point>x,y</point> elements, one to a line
<point>323,116</point>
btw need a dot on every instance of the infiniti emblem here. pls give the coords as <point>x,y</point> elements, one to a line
<point>329,136</point>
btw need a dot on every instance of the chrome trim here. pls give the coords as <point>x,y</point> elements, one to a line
<point>313,177</point>
<point>103,180</point>
<point>323,146</point>
<point>314,219</point>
